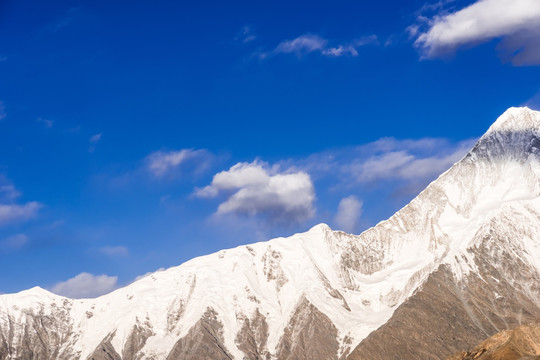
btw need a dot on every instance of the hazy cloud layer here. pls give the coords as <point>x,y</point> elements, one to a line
<point>348,214</point>
<point>14,242</point>
<point>114,250</point>
<point>257,189</point>
<point>86,285</point>
<point>515,22</point>
<point>311,43</point>
<point>388,159</point>
<point>162,163</point>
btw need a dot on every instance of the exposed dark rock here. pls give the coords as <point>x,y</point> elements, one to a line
<point>105,351</point>
<point>252,338</point>
<point>309,335</point>
<point>204,341</point>
<point>135,342</point>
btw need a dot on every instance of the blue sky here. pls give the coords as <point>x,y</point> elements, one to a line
<point>136,135</point>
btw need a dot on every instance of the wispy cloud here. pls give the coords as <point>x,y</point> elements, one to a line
<point>10,210</point>
<point>311,43</point>
<point>390,158</point>
<point>162,163</point>
<point>10,213</point>
<point>65,21</point>
<point>94,139</point>
<point>246,35</point>
<point>515,22</point>
<point>8,192</point>
<point>14,242</point>
<point>46,122</point>
<point>257,189</point>
<point>86,285</point>
<point>348,214</point>
<point>114,250</point>
<point>2,111</point>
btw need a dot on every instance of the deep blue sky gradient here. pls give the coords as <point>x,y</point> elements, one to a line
<point>171,75</point>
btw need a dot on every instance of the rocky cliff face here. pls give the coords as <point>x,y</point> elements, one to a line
<point>458,264</point>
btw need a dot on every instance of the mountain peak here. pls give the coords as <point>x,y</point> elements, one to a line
<point>517,119</point>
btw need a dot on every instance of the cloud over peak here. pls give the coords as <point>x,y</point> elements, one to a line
<point>515,22</point>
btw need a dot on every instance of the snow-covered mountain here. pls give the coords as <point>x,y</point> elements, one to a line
<point>457,264</point>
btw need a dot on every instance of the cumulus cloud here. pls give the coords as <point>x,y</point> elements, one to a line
<point>311,43</point>
<point>257,189</point>
<point>114,250</point>
<point>349,212</point>
<point>14,242</point>
<point>86,285</point>
<point>515,22</point>
<point>161,163</point>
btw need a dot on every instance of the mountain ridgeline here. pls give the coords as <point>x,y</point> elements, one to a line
<point>458,264</point>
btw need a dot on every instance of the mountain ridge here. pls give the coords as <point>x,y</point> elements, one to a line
<point>318,292</point>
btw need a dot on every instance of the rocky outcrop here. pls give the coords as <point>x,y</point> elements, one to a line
<point>252,337</point>
<point>105,351</point>
<point>521,343</point>
<point>309,335</point>
<point>204,341</point>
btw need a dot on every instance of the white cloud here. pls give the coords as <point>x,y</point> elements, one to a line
<point>309,43</point>
<point>258,189</point>
<point>114,250</point>
<point>349,212</point>
<point>14,242</point>
<point>13,212</point>
<point>161,163</point>
<point>86,285</point>
<point>303,44</point>
<point>516,22</point>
